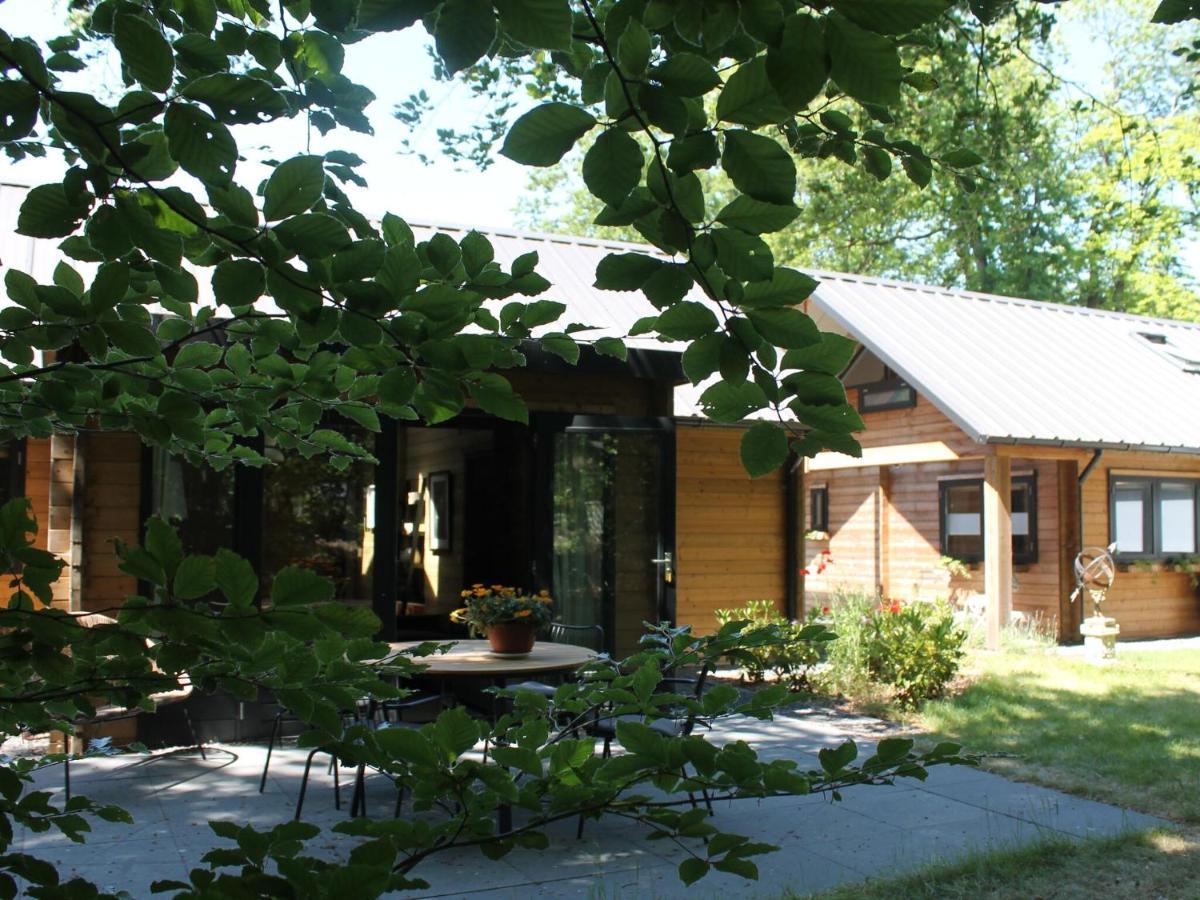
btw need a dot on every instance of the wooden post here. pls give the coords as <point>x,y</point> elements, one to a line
<point>1067,475</point>
<point>883,535</point>
<point>997,545</point>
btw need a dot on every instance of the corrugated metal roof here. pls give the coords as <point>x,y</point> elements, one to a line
<point>1020,371</point>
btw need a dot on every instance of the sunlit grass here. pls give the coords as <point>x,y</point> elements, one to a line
<point>1151,865</point>
<point>1126,733</point>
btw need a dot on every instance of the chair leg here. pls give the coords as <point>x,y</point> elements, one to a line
<point>399,800</point>
<point>67,771</point>
<point>358,804</point>
<point>276,727</point>
<point>187,717</point>
<point>304,783</point>
<point>337,787</point>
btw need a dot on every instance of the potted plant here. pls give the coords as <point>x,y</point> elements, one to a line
<point>507,616</point>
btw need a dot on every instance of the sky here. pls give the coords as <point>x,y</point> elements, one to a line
<point>393,66</point>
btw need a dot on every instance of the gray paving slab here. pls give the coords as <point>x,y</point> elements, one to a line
<point>872,831</point>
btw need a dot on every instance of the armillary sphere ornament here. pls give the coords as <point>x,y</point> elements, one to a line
<point>1095,571</point>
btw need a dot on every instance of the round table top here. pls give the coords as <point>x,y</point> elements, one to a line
<point>476,658</point>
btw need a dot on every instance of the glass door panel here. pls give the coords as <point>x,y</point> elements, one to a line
<point>607,509</point>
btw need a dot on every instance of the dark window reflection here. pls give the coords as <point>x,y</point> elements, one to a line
<point>197,500</point>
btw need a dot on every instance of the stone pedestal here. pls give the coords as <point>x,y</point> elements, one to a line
<point>1100,637</point>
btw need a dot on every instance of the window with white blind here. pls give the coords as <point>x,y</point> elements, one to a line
<point>1153,518</point>
<point>961,515</point>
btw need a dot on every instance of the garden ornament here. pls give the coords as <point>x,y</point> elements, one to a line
<point>1095,571</point>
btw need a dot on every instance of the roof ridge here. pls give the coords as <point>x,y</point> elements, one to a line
<point>547,236</point>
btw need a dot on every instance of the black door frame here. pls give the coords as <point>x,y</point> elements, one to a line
<point>545,426</point>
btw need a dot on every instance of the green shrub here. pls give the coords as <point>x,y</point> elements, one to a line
<point>791,657</point>
<point>913,649</point>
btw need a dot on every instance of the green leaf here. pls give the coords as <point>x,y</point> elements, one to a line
<point>144,51</point>
<point>633,49</point>
<point>834,759</point>
<point>785,327</point>
<point>918,169</point>
<point>200,15</point>
<point>455,732</point>
<point>786,287</point>
<point>702,357</point>
<point>19,103</point>
<point>687,321</point>
<point>134,339</point>
<point>830,355</point>
<point>693,869</point>
<point>877,162</point>
<point>728,403</point>
<point>686,75</point>
<point>625,271</point>
<point>758,166</point>
<point>543,135</point>
<point>610,346</point>
<point>47,212</point>
<point>197,354</point>
<point>238,282</point>
<point>891,16</point>
<point>464,32</point>
<point>313,234</point>
<point>612,166</point>
<point>764,448</point>
<point>962,158</point>
<point>109,286</point>
<point>294,186</point>
<point>334,15</point>
<point>865,65</point>
<point>237,99</point>
<point>236,578</point>
<point>200,144</point>
<point>749,99</point>
<point>195,577</point>
<point>294,586</point>
<point>757,217</point>
<point>495,395</point>
<point>561,345</point>
<point>799,67</point>
<point>537,23</point>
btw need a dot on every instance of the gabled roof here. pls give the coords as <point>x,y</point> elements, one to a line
<point>1011,371</point>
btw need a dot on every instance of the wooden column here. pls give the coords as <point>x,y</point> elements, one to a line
<point>1069,618</point>
<point>997,545</point>
<point>883,537</point>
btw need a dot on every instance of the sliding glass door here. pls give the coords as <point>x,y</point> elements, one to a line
<point>610,510</point>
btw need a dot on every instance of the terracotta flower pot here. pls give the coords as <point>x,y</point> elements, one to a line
<point>511,638</point>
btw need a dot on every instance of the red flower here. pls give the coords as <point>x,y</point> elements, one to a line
<point>825,610</point>
<point>890,606</point>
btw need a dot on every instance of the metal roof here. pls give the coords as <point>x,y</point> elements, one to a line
<point>1023,372</point>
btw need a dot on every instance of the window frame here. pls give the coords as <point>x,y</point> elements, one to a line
<point>1152,524</point>
<point>821,523</point>
<point>891,383</point>
<point>1029,481</point>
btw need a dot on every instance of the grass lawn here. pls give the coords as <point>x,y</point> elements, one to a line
<point>1126,733</point>
<point>1154,865</point>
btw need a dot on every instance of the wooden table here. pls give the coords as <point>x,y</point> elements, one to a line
<point>474,658</point>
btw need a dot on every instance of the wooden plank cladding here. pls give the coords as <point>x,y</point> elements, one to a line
<point>111,509</point>
<point>729,528</point>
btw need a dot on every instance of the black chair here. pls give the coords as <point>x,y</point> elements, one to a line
<point>561,633</point>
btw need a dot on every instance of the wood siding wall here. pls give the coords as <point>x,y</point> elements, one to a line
<point>1145,604</point>
<point>111,510</point>
<point>49,485</point>
<point>729,528</point>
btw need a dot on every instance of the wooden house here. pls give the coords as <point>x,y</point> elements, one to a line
<point>1001,436</point>
<point>618,497</point>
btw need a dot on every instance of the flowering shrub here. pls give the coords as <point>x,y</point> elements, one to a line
<point>793,653</point>
<point>487,606</point>
<point>914,648</point>
<point>911,649</point>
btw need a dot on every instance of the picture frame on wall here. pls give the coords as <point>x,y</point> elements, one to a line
<point>441,505</point>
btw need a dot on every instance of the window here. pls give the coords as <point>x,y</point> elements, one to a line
<point>818,509</point>
<point>1153,517</point>
<point>961,511</point>
<point>890,392</point>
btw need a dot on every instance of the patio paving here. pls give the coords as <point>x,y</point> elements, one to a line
<point>872,831</point>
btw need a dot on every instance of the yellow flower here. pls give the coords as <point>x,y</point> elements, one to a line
<point>545,599</point>
<point>477,585</point>
<point>458,615</point>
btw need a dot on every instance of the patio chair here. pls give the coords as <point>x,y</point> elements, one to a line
<point>559,632</point>
<point>385,714</point>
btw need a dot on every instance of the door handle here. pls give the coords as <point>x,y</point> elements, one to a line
<point>667,562</point>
